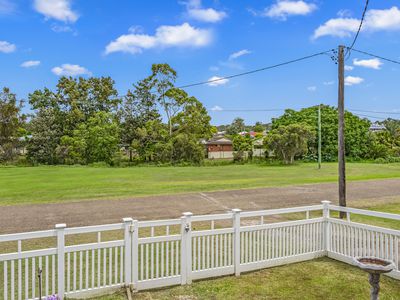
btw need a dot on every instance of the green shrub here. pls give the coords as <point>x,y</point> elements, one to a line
<point>393,159</point>
<point>381,161</point>
<point>99,164</point>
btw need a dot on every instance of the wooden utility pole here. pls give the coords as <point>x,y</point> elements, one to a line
<point>341,147</point>
<point>319,137</point>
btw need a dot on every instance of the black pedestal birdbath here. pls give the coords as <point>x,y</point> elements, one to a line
<point>375,267</point>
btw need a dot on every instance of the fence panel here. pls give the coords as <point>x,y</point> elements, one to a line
<point>212,253</point>
<point>350,239</point>
<point>280,243</point>
<point>179,254</point>
<point>159,261</point>
<point>20,271</point>
<point>94,266</point>
<point>21,276</point>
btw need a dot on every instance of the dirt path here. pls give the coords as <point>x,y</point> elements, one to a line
<point>44,216</point>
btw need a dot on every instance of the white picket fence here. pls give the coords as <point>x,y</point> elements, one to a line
<point>153,254</point>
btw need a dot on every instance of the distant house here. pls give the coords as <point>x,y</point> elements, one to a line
<point>22,143</point>
<point>377,127</point>
<point>251,133</point>
<point>258,148</point>
<point>219,148</point>
<point>222,148</point>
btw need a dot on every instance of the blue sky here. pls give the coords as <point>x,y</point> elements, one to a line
<point>41,40</point>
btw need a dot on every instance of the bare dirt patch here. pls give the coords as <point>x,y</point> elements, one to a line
<point>45,216</point>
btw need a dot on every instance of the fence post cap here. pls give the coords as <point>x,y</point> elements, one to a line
<point>61,226</point>
<point>127,220</point>
<point>187,214</point>
<point>236,210</point>
<point>326,202</point>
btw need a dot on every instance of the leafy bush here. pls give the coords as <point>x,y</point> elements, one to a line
<point>356,130</point>
<point>238,156</point>
<point>393,159</point>
<point>387,160</point>
<point>289,141</point>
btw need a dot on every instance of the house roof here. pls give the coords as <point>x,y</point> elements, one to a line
<point>377,126</point>
<point>221,141</point>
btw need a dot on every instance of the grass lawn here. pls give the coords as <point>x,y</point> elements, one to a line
<point>318,279</point>
<point>45,184</point>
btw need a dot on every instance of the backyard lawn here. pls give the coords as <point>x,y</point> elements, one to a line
<point>318,279</point>
<point>45,184</point>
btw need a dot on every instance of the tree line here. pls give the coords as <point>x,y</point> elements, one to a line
<point>294,136</point>
<point>85,121</point>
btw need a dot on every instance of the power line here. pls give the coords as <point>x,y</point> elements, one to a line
<point>354,111</point>
<point>249,72</point>
<point>376,112</point>
<point>377,56</point>
<point>368,116</point>
<point>255,71</point>
<point>359,27</point>
<point>247,110</point>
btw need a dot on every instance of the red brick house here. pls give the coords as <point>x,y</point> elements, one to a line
<point>219,148</point>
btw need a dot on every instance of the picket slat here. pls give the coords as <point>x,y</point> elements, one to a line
<point>27,278</point>
<point>5,286</point>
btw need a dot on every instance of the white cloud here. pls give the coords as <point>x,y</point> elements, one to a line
<point>70,70</point>
<point>340,27</point>
<point>329,82</point>
<point>166,36</point>
<point>217,108</point>
<point>7,47</point>
<point>30,63</point>
<point>6,7</point>
<point>206,15</point>
<point>282,9</point>
<point>196,12</point>
<point>375,20</point>
<point>348,68</point>
<point>352,80</point>
<point>312,88</point>
<point>56,9</point>
<point>216,81</point>
<point>239,53</point>
<point>373,63</point>
<point>384,19</point>
<point>344,13</point>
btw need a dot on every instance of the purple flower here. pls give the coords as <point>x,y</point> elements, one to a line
<point>52,297</point>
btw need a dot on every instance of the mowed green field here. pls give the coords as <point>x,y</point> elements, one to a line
<point>45,184</point>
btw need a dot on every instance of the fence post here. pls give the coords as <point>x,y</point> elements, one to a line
<point>236,241</point>
<point>186,248</point>
<point>135,253</point>
<point>327,231</point>
<point>128,250</point>
<point>61,259</point>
